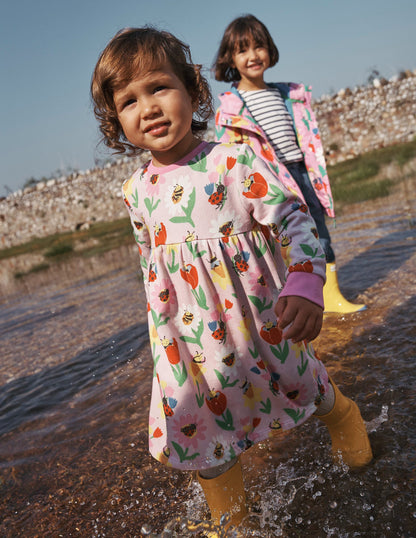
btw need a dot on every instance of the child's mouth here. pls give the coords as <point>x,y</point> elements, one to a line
<point>157,129</point>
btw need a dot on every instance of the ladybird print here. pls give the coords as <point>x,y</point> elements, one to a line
<point>218,330</point>
<point>217,194</point>
<point>152,273</point>
<point>240,262</point>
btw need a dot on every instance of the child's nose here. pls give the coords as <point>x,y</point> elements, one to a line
<point>149,107</point>
<point>252,53</point>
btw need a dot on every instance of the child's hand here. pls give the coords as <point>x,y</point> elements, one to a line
<point>304,316</point>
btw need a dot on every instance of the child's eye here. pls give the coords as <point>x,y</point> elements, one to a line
<point>128,102</point>
<point>159,88</point>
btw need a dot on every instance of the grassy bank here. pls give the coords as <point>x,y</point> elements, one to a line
<point>364,178</point>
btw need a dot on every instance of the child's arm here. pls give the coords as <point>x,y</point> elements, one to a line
<point>270,203</point>
<point>302,317</point>
<point>140,231</point>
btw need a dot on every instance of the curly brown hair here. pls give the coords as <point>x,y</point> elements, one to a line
<point>238,35</point>
<point>137,50</point>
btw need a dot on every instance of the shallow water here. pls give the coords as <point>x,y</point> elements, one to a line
<point>75,384</point>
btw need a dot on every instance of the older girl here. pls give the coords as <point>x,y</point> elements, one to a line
<point>277,120</point>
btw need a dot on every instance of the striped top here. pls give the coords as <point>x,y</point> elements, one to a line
<point>268,109</point>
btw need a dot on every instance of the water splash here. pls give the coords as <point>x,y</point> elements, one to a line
<point>373,425</point>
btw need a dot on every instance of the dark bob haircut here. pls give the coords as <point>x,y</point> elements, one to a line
<point>238,35</point>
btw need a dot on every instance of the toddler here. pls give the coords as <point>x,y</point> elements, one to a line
<point>233,275</point>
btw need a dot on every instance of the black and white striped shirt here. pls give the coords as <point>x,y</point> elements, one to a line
<point>268,109</point>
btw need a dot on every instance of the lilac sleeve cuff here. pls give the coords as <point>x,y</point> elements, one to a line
<point>307,285</point>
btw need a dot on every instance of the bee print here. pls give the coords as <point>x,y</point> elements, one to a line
<point>154,178</point>
<point>247,388</point>
<point>255,186</point>
<point>218,451</point>
<point>240,262</point>
<point>191,236</point>
<point>199,358</point>
<point>160,234</point>
<point>218,330</point>
<point>271,333</point>
<point>171,348</point>
<point>177,194</point>
<point>275,424</point>
<point>217,197</point>
<point>217,266</point>
<point>187,317</point>
<point>285,241</point>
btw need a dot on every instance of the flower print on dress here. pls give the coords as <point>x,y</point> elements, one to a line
<point>247,434</point>
<point>160,234</point>
<point>255,186</point>
<point>163,296</point>
<point>219,273</point>
<point>189,430</point>
<point>227,358</point>
<point>251,394</point>
<point>154,431</point>
<point>177,195</point>
<point>296,392</point>
<point>155,184</point>
<point>217,452</point>
<point>189,273</point>
<point>258,283</point>
<point>188,319</point>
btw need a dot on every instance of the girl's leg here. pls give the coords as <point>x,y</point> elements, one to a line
<point>334,301</point>
<point>346,427</point>
<point>224,491</point>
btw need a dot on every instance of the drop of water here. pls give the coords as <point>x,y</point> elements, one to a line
<point>333,504</point>
<point>146,530</point>
<point>390,504</point>
<point>298,520</point>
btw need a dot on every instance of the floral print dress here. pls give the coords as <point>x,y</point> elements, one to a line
<point>219,236</point>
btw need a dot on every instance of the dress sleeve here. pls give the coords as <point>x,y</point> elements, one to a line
<point>287,219</point>
<point>140,230</point>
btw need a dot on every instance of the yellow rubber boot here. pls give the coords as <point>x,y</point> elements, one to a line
<point>334,301</point>
<point>346,427</point>
<point>225,493</point>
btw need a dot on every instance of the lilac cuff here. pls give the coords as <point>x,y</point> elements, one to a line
<point>307,285</point>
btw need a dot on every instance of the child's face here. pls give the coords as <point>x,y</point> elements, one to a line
<point>155,113</point>
<point>251,62</point>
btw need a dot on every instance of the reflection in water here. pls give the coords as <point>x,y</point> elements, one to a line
<point>75,380</point>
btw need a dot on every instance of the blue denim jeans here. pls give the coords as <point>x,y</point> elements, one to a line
<point>300,175</point>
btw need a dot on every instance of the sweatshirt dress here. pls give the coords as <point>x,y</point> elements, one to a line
<point>220,238</point>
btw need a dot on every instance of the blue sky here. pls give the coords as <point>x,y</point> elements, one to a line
<point>48,49</point>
